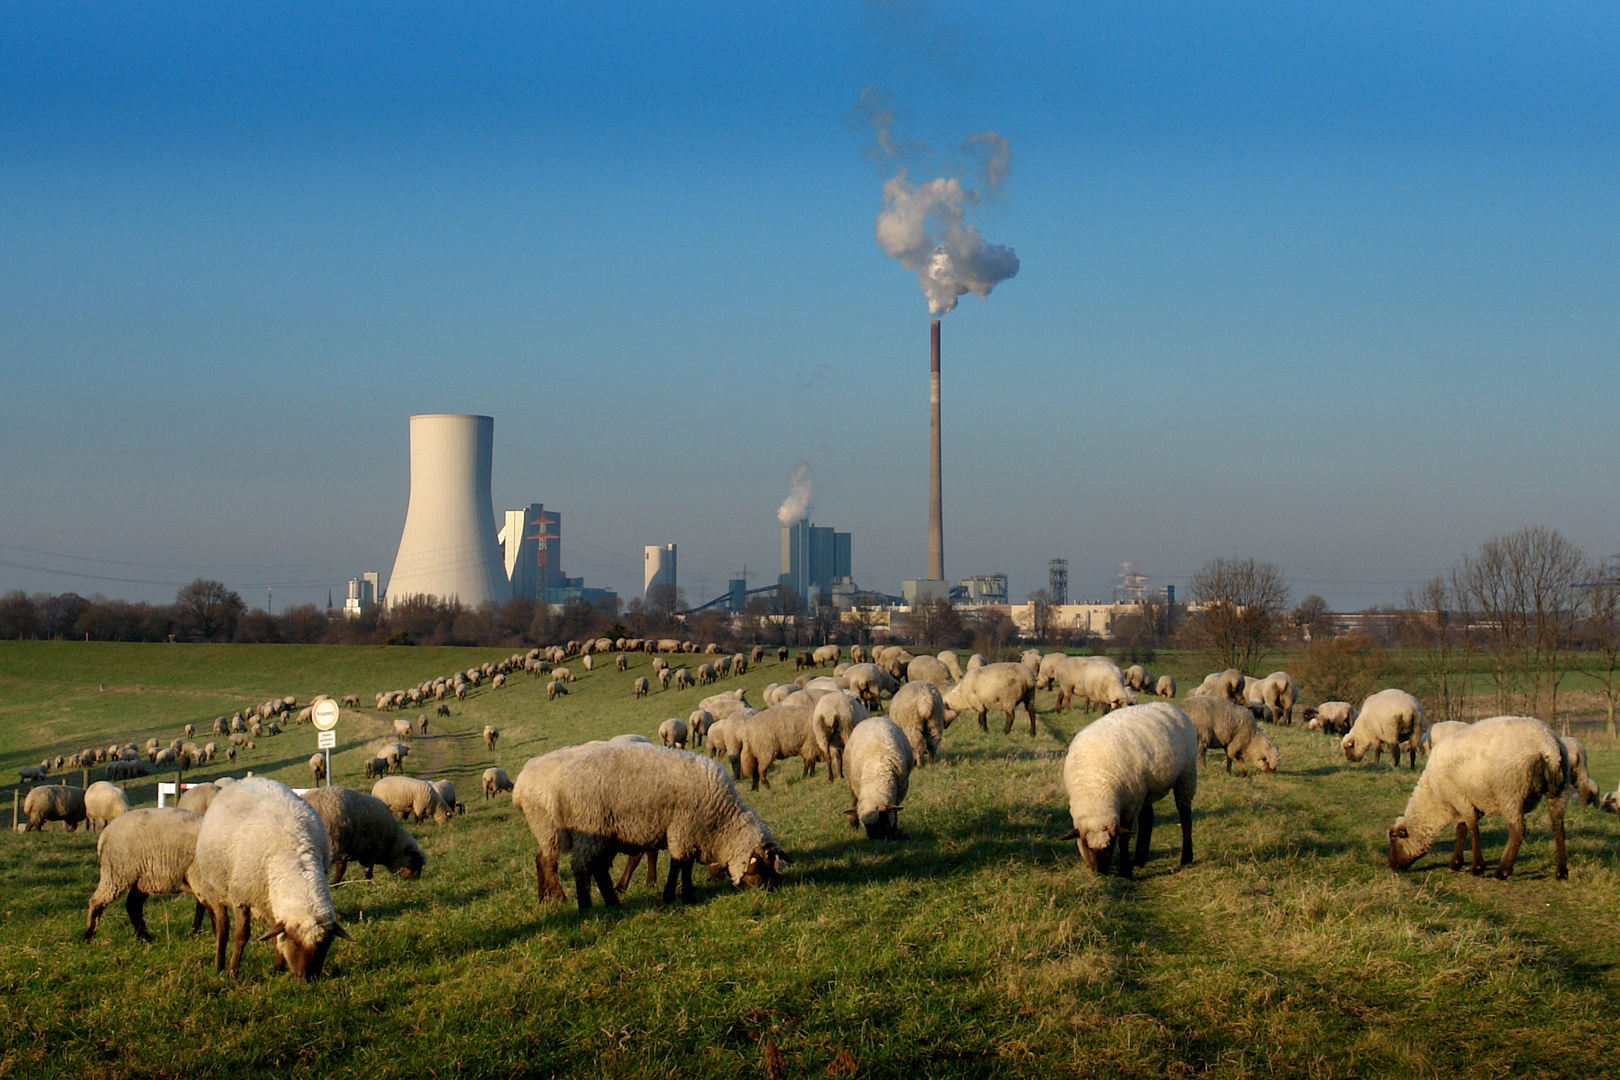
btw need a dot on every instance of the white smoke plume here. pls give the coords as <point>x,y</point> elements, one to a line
<point>796,507</point>
<point>925,225</point>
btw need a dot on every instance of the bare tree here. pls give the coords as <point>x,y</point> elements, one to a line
<point>1601,633</point>
<point>1245,601</point>
<point>866,617</point>
<point>1522,590</point>
<point>1041,610</point>
<point>1311,618</point>
<point>1429,631</point>
<point>935,622</point>
<point>207,610</point>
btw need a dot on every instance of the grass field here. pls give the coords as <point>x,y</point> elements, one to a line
<point>980,946</point>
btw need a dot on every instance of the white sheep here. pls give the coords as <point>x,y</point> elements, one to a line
<point>1277,692</point>
<point>1165,687</point>
<point>1001,687</point>
<point>1139,678</point>
<point>673,733</point>
<point>1580,781</point>
<point>262,851</point>
<point>317,767</point>
<point>54,802</point>
<point>877,766</point>
<point>1227,684</point>
<point>929,669</point>
<point>779,732</point>
<point>1333,717</point>
<point>104,802</point>
<point>603,798</point>
<point>1391,717</point>
<point>1231,727</point>
<point>919,711</point>
<point>360,828</point>
<point>144,853</point>
<point>495,780</point>
<point>952,664</point>
<point>1117,768</point>
<point>446,791</point>
<point>492,735</point>
<point>869,683</point>
<point>1504,766</point>
<point>832,718</point>
<point>197,797</point>
<point>408,795</point>
<point>697,725</point>
<point>1091,680</point>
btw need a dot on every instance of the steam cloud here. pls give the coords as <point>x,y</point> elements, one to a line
<point>925,225</point>
<point>796,507</point>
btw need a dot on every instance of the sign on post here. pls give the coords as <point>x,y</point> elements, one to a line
<point>324,715</point>
<point>326,740</point>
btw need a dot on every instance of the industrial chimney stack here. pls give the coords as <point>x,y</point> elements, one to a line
<point>936,528</point>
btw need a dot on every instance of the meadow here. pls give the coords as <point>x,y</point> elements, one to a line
<point>978,946</point>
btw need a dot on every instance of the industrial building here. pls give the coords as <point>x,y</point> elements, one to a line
<point>364,592</point>
<point>532,542</point>
<point>813,560</point>
<point>657,568</point>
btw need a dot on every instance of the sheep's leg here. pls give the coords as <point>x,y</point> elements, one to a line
<point>549,880</point>
<point>1515,838</point>
<point>222,927</point>
<point>984,716</point>
<point>835,762</point>
<point>582,890</point>
<point>1012,715</point>
<point>340,869</point>
<point>682,869</point>
<point>197,917</point>
<point>600,869</point>
<point>136,906</point>
<point>1062,700</point>
<point>239,940</point>
<point>1555,812</point>
<point>1378,752</point>
<point>1462,838</point>
<point>631,862</point>
<point>1184,813</point>
<point>1123,843</point>
<point>1144,834</point>
<point>1203,753</point>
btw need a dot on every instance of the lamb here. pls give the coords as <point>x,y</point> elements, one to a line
<point>1220,723</point>
<point>1002,687</point>
<point>317,767</point>
<point>1276,691</point>
<point>672,733</point>
<point>54,802</point>
<point>878,765</point>
<point>1503,765</point>
<point>1333,717</point>
<point>832,718</point>
<point>492,735</point>
<point>263,851</point>
<point>1227,684</point>
<point>104,802</point>
<point>144,853</point>
<point>407,795</point>
<point>1389,716</point>
<point>919,711</point>
<point>601,799</point>
<point>1117,768</point>
<point>778,732</point>
<point>495,781</point>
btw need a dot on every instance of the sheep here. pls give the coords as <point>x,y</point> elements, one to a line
<point>706,674</point>
<point>495,781</point>
<point>825,654</point>
<point>1503,765</point>
<point>422,722</point>
<point>317,767</point>
<point>375,767</point>
<point>919,711</point>
<point>1031,658</point>
<point>672,733</point>
<point>562,675</point>
<point>446,792</point>
<point>1165,687</point>
<point>895,662</point>
<point>197,797</point>
<point>878,769</point>
<point>870,682</point>
<point>1580,781</point>
<point>554,689</point>
<point>127,770</point>
<point>394,754</point>
<point>103,803</point>
<point>804,660</point>
<point>585,661</point>
<point>698,724</point>
<point>144,853</point>
<point>1220,723</point>
<point>1389,716</point>
<point>1093,680</point>
<point>30,773</point>
<point>1333,717</point>
<point>408,795</point>
<point>781,654</point>
<point>779,732</point>
<point>1139,678</point>
<point>54,802</point>
<point>1437,733</point>
<point>682,679</point>
<point>620,663</point>
<point>929,669</point>
<point>361,828</point>
<point>977,660</point>
<point>1227,684</point>
<point>492,735</point>
<point>663,676</point>
<point>263,851</point>
<point>601,799</point>
<point>351,701</point>
<point>1117,768</point>
<point>832,718</point>
<point>1276,691</point>
<point>1002,687</point>
<point>725,741</point>
<point>954,665</point>
<point>404,729</point>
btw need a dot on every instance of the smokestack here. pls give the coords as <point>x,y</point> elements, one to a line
<point>936,529</point>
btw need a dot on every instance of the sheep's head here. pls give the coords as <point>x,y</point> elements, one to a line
<point>302,950</point>
<point>1403,849</point>
<point>1096,841</point>
<point>763,868</point>
<point>1353,751</point>
<point>1610,803</point>
<point>1264,753</point>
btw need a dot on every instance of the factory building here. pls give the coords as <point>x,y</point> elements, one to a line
<point>657,568</point>
<point>531,540</point>
<point>813,559</point>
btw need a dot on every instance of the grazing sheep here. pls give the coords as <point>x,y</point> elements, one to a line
<point>878,765</point>
<point>263,851</point>
<point>407,795</point>
<point>198,797</point>
<point>825,654</point>
<point>832,718</point>
<point>127,770</point>
<point>641,687</point>
<point>587,662</point>
<point>1504,766</point>
<point>104,802</point>
<point>953,664</point>
<point>54,802</point>
<point>1139,678</point>
<point>376,767</point>
<point>1389,716</point>
<point>492,735</point>
<point>360,828</point>
<point>1277,692</point>
<point>317,767</point>
<point>562,675</point>
<point>394,754</point>
<point>1580,781</point>
<point>1002,687</point>
<point>1437,733</point>
<point>144,853</point>
<point>621,664</point>
<point>601,799</point>
<point>351,701</point>
<point>30,773</point>
<point>404,729</point>
<point>919,711</point>
<point>1117,768</point>
<point>779,732</point>
<point>682,679</point>
<point>422,723</point>
<point>698,724</point>
<point>1092,680</point>
<point>781,654</point>
<point>1227,684</point>
<point>804,660</point>
<point>495,780</point>
<point>672,733</point>
<point>1222,724</point>
<point>869,683</point>
<point>1165,687</point>
<point>725,741</point>
<point>1333,717</point>
<point>929,669</point>
<point>446,791</point>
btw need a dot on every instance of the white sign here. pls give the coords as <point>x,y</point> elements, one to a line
<point>326,740</point>
<point>324,713</point>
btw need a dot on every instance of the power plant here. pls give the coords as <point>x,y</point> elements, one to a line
<point>934,586</point>
<point>449,548</point>
<point>658,569</point>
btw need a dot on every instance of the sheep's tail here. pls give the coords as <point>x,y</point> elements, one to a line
<point>1556,768</point>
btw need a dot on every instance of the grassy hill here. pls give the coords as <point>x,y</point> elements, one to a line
<point>979,946</point>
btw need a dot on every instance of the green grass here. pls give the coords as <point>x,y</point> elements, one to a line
<point>979,946</point>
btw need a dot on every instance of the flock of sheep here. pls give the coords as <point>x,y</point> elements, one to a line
<point>254,848</point>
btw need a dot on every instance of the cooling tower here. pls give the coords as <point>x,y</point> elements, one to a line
<point>449,549</point>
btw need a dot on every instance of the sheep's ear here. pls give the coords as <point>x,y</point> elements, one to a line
<point>338,931</point>
<point>1072,834</point>
<point>892,808</point>
<point>279,928</point>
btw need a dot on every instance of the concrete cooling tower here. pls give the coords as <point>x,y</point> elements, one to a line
<point>449,549</point>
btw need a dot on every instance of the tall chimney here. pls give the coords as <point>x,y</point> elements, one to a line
<point>936,530</point>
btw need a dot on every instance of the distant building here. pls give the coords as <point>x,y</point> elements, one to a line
<point>531,541</point>
<point>657,568</point>
<point>981,589</point>
<point>813,558</point>
<point>364,592</point>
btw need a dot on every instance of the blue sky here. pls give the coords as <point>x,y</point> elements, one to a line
<point>1330,285</point>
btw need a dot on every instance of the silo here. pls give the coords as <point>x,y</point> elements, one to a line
<point>448,549</point>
